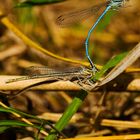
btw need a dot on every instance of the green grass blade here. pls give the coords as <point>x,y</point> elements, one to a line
<point>3,129</point>
<point>111,63</point>
<point>11,110</point>
<point>67,115</point>
<point>30,3</point>
<point>15,123</point>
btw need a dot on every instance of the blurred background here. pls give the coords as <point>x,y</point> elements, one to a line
<point>118,32</point>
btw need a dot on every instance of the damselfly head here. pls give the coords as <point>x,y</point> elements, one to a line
<point>117,3</point>
<point>88,71</point>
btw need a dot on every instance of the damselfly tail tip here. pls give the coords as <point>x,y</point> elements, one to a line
<point>16,79</point>
<point>10,81</point>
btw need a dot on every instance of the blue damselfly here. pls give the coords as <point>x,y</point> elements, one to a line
<point>75,16</point>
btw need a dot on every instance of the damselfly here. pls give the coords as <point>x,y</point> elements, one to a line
<point>72,17</point>
<point>79,75</point>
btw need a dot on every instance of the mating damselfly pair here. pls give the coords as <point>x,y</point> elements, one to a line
<point>76,16</point>
<point>80,74</point>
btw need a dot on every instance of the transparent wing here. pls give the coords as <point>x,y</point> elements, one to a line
<point>37,70</point>
<point>34,72</point>
<point>77,16</point>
